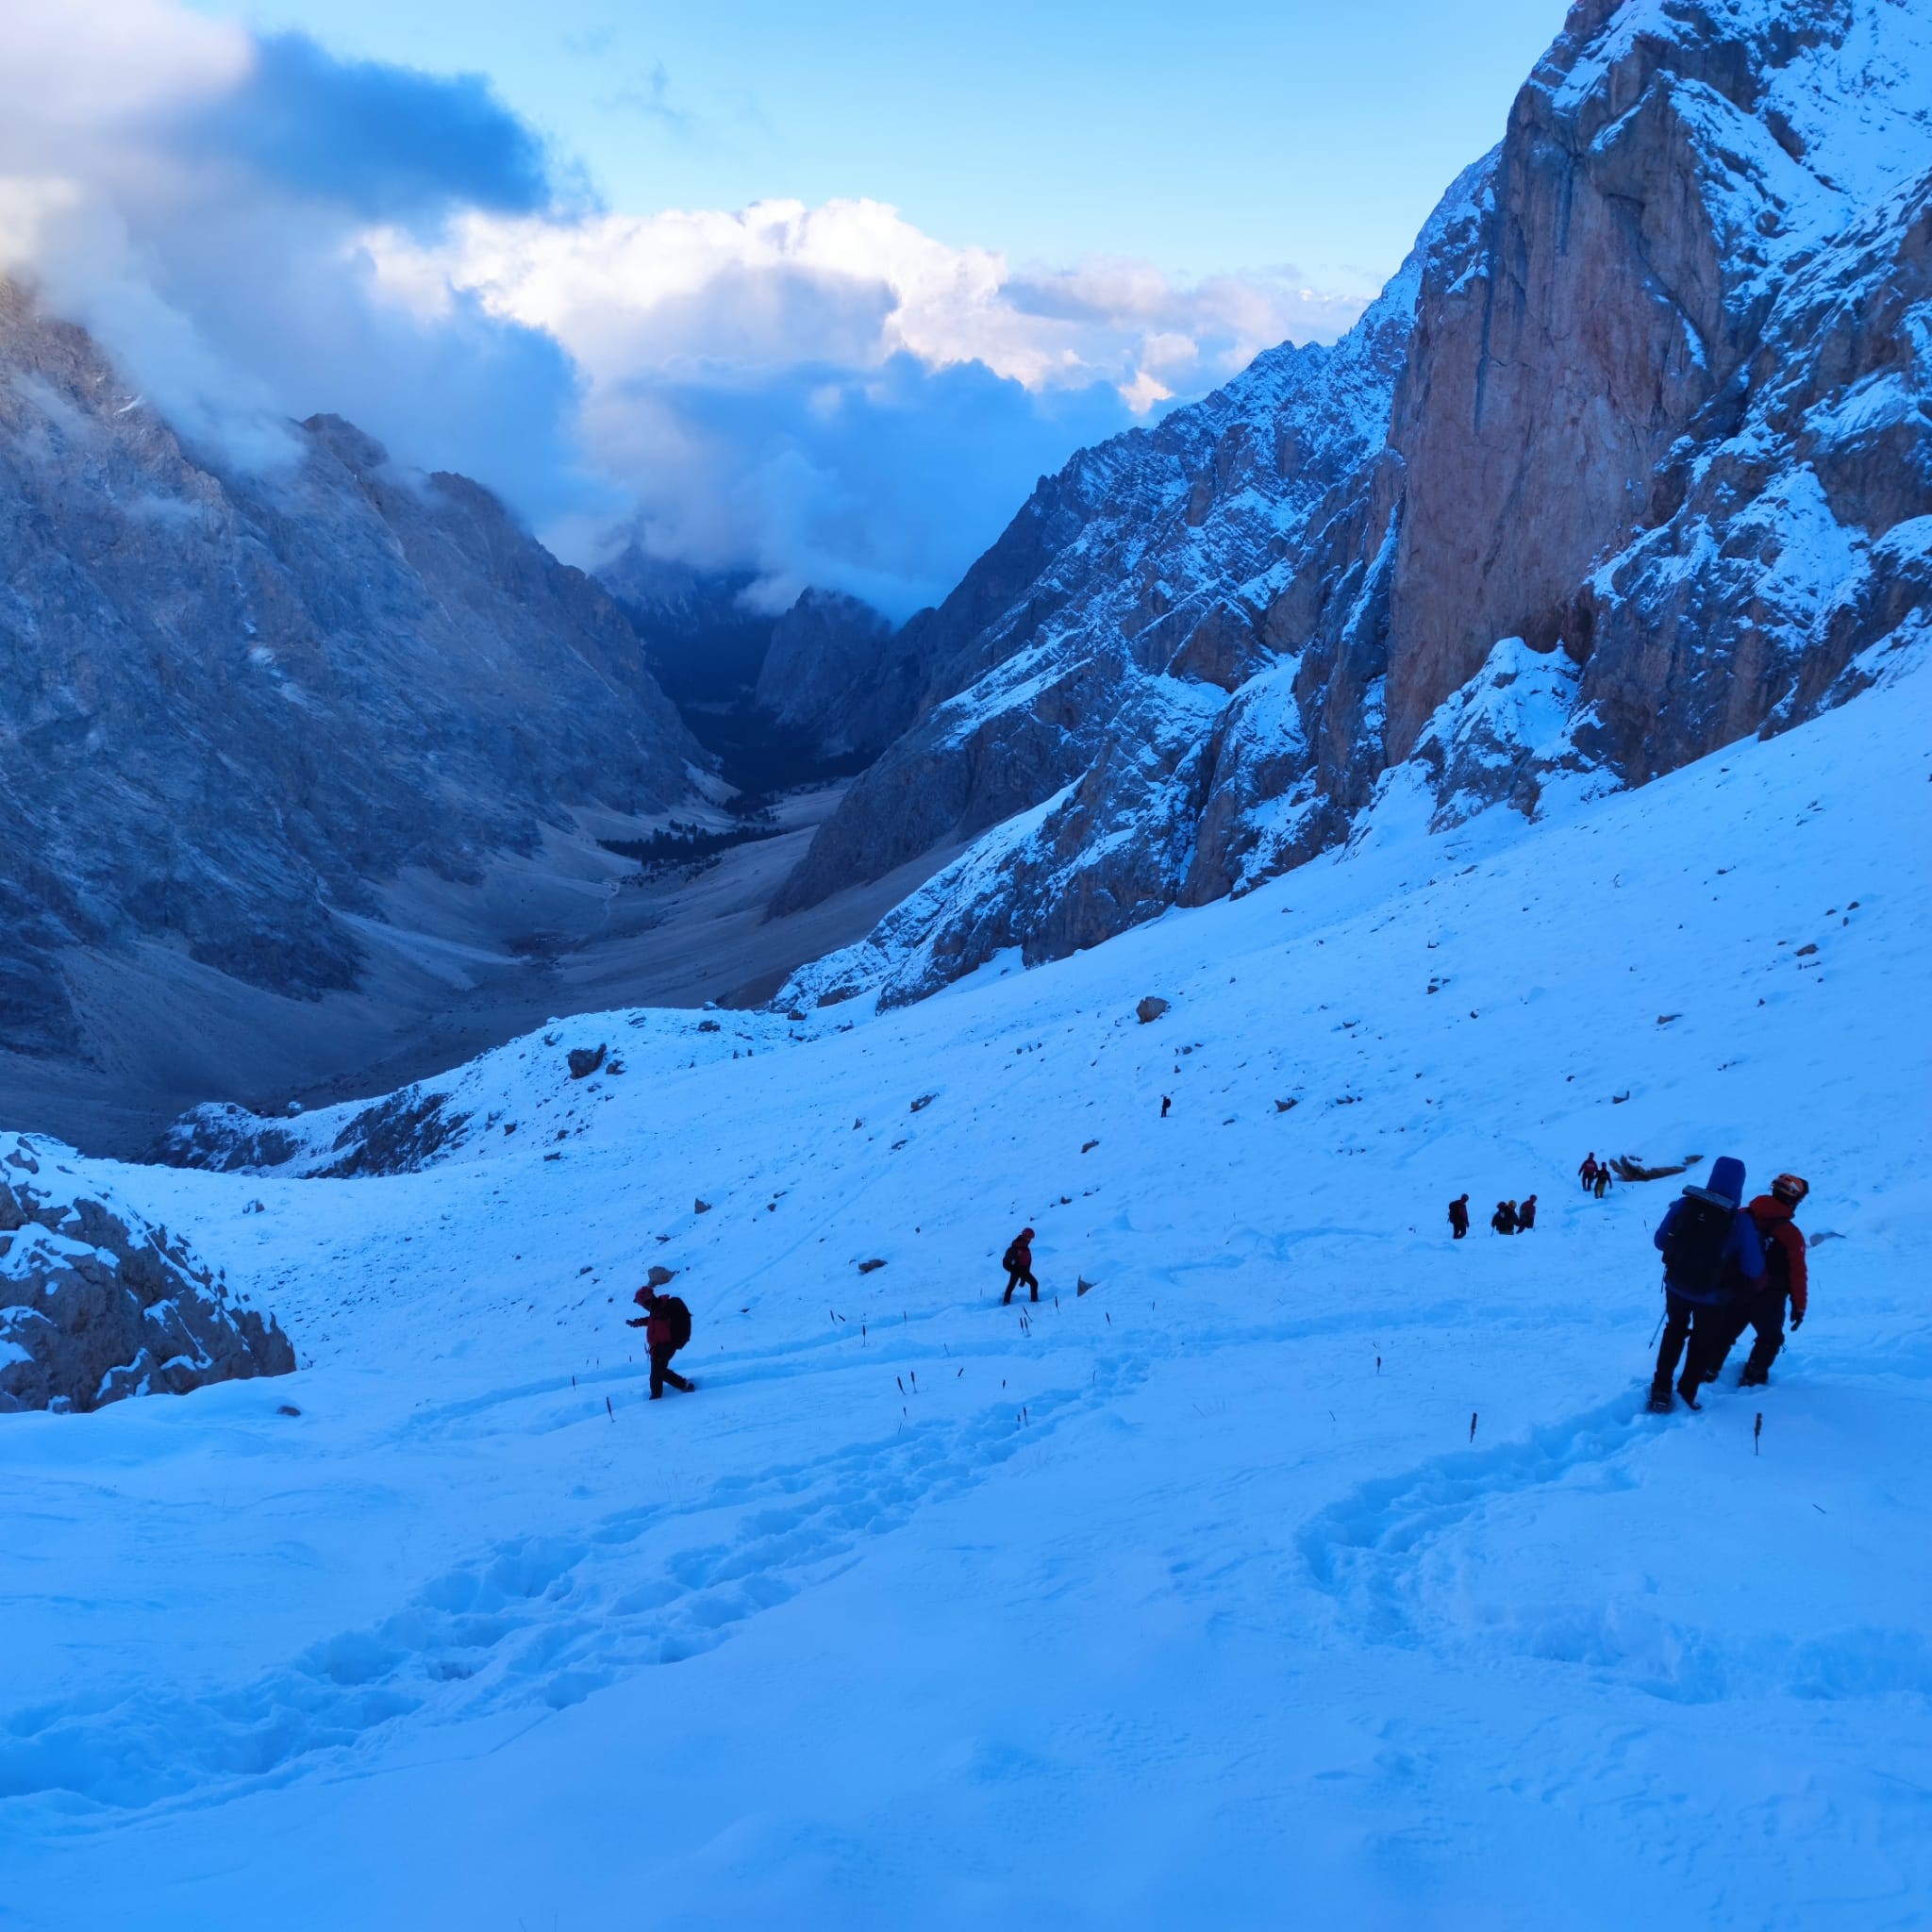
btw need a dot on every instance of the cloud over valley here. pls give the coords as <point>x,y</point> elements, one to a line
<point>258,228</point>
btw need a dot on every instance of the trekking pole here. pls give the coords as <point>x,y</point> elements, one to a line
<point>1657,1330</point>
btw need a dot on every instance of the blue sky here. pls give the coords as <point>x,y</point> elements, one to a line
<point>1206,139</point>
<point>813,291</point>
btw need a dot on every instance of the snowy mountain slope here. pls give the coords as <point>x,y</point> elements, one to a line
<point>1654,392</point>
<point>1308,1556</point>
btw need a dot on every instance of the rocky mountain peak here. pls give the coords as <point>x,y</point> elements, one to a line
<point>238,701</point>
<point>1650,392</point>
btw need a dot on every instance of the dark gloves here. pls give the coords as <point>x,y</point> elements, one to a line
<point>1797,1322</point>
<point>637,1321</point>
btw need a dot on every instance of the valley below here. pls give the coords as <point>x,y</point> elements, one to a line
<point>451,971</point>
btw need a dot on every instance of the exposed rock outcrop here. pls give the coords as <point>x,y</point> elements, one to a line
<point>398,1134</point>
<point>824,679</point>
<point>703,642</point>
<point>235,700</point>
<point>96,1304</point>
<point>1652,400</point>
<point>834,672</point>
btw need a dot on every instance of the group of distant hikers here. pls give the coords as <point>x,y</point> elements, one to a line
<point>1511,1217</point>
<point>1519,1217</point>
<point>1727,1267</point>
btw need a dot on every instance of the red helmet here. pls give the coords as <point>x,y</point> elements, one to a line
<point>645,1294</point>
<point>1788,1187</point>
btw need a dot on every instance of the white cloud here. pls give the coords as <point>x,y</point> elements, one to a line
<point>256,229</point>
<point>850,284</point>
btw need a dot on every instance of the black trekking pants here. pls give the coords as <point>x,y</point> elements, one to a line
<point>1014,1277</point>
<point>1763,1312</point>
<point>661,1373</point>
<point>1700,1325</point>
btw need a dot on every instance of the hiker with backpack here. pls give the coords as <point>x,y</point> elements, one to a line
<point>1459,1215</point>
<point>1525,1215</point>
<point>1586,1172</point>
<point>1602,1183</point>
<point>1784,1278</point>
<point>1712,1250</point>
<point>1017,1262</point>
<point>1504,1219</point>
<point>666,1323</point>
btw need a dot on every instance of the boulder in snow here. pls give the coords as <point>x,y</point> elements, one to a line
<point>96,1304</point>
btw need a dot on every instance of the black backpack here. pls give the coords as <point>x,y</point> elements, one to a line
<point>1010,1260</point>
<point>675,1311</point>
<point>1694,1249</point>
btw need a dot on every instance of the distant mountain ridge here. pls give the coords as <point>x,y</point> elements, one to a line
<point>825,678</point>
<point>1651,402</point>
<point>234,703</point>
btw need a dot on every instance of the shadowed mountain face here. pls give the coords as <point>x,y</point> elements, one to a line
<point>1634,456</point>
<point>816,689</point>
<point>235,705</point>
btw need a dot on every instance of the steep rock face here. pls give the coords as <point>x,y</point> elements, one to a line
<point>1132,598</point>
<point>1669,166</point>
<point>96,1304</point>
<point>825,679</point>
<point>1653,390</point>
<point>704,643</point>
<point>832,672</point>
<point>232,700</point>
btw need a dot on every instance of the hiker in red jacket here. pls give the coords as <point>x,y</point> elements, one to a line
<point>1017,1262</point>
<point>1459,1215</point>
<point>1586,1172</point>
<point>1525,1215</point>
<point>666,1323</point>
<point>1784,1278</point>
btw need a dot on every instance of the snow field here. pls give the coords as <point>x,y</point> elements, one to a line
<point>1163,1604</point>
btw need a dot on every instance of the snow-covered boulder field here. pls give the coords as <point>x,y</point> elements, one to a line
<point>96,1304</point>
<point>1309,1568</point>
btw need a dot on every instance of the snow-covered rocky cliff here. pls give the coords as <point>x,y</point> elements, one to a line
<point>1650,395</point>
<point>98,1304</point>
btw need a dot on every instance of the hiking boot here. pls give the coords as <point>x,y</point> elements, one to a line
<point>1753,1378</point>
<point>1659,1403</point>
<point>1688,1390</point>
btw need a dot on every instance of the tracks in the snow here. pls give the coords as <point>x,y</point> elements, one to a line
<point>1364,1550</point>
<point>1396,1556</point>
<point>535,1623</point>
